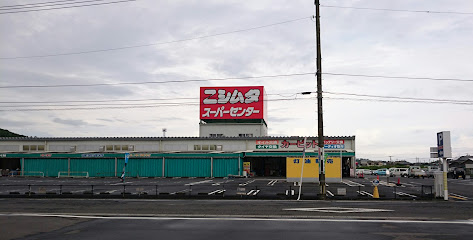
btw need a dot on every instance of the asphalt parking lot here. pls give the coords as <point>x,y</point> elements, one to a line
<point>247,188</point>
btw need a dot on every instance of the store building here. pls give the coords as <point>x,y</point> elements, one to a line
<point>233,134</point>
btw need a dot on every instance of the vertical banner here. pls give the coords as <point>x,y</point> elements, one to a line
<point>122,177</point>
<point>247,168</point>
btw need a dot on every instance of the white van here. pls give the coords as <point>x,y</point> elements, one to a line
<point>416,172</point>
<point>398,172</point>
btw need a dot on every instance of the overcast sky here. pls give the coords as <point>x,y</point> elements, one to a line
<point>354,41</point>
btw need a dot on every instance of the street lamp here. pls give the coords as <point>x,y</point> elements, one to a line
<point>320,138</point>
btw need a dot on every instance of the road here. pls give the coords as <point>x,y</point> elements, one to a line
<point>232,219</point>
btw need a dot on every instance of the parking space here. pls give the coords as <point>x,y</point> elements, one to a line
<point>349,188</point>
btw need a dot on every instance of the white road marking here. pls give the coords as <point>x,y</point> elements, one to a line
<point>120,183</point>
<point>292,192</point>
<point>200,182</point>
<point>365,193</point>
<point>182,191</point>
<point>339,210</point>
<point>330,193</point>
<point>387,184</point>
<point>217,184</point>
<point>405,194</point>
<point>352,184</point>
<point>219,191</point>
<point>253,192</point>
<point>272,182</point>
<point>467,222</point>
<point>246,183</point>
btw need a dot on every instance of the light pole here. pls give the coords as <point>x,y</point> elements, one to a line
<point>320,122</point>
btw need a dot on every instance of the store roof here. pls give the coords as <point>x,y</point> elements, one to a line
<point>168,138</point>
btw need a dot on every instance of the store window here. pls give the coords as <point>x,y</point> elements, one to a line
<point>245,135</point>
<point>33,147</point>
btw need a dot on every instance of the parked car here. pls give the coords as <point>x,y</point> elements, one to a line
<point>363,171</point>
<point>382,172</point>
<point>416,172</point>
<point>398,172</point>
<point>457,173</point>
<point>431,170</point>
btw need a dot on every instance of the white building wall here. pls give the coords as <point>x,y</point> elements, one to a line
<point>233,130</point>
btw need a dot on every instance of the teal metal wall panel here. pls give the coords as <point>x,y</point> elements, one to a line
<point>141,167</point>
<point>49,166</point>
<point>222,167</point>
<point>96,167</point>
<point>187,167</point>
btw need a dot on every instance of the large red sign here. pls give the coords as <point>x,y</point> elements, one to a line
<point>232,102</point>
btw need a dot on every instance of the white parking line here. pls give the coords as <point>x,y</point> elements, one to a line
<point>218,183</point>
<point>246,183</point>
<point>352,184</point>
<point>200,182</point>
<point>364,193</point>
<point>405,194</point>
<point>120,183</point>
<point>182,191</point>
<point>292,192</point>
<point>330,193</point>
<point>219,191</point>
<point>272,182</point>
<point>387,184</point>
<point>253,192</point>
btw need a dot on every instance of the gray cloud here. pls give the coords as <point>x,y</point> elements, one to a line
<point>353,41</point>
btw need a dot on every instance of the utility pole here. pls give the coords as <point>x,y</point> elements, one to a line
<point>319,102</point>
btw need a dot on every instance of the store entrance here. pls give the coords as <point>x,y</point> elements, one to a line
<point>8,165</point>
<point>267,166</point>
<point>346,163</point>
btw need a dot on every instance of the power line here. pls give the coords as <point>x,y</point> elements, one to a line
<point>41,3</point>
<point>157,82</point>
<point>148,105</point>
<point>84,5</point>
<point>46,4</point>
<point>402,98</point>
<point>234,78</point>
<point>289,95</point>
<point>154,44</point>
<point>399,77</point>
<point>399,101</point>
<point>398,10</point>
<point>178,104</point>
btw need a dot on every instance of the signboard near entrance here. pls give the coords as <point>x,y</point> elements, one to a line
<point>294,167</point>
<point>333,169</point>
<point>247,168</point>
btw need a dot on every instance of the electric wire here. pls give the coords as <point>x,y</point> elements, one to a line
<point>157,43</point>
<point>398,10</point>
<point>179,104</point>
<point>64,7</point>
<point>403,98</point>
<point>158,82</point>
<point>398,77</point>
<point>235,78</point>
<point>40,3</point>
<point>47,4</point>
